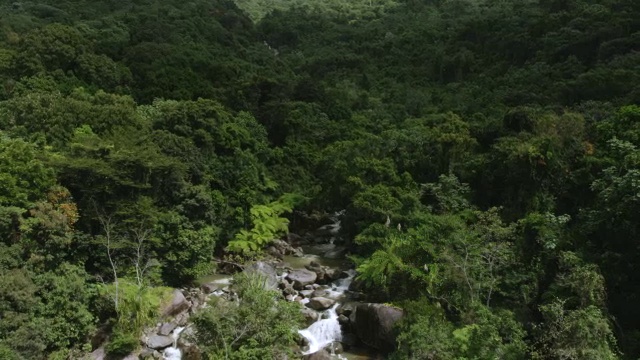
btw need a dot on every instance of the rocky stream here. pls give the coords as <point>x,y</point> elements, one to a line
<point>310,270</point>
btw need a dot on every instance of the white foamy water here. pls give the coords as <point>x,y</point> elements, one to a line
<point>173,353</point>
<point>324,332</point>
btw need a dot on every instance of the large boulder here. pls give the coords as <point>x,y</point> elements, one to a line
<point>167,328</point>
<point>178,304</point>
<point>309,315</point>
<point>267,271</point>
<point>98,354</point>
<point>320,303</point>
<point>374,325</point>
<point>347,308</point>
<point>301,277</point>
<point>159,342</point>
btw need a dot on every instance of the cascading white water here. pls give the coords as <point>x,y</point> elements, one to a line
<point>173,353</point>
<point>324,332</point>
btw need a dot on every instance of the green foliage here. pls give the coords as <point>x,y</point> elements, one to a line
<point>121,344</point>
<point>426,333</point>
<point>25,177</point>
<point>47,311</point>
<point>137,307</point>
<point>267,225</point>
<point>575,334</point>
<point>260,326</point>
<point>485,154</point>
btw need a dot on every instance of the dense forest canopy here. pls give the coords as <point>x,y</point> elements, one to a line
<point>140,140</point>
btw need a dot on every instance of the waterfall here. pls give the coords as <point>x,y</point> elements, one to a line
<point>326,330</point>
<point>173,353</point>
<point>323,332</point>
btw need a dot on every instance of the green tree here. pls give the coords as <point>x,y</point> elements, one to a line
<point>261,325</point>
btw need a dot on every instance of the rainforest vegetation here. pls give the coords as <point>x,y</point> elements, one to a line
<point>500,140</point>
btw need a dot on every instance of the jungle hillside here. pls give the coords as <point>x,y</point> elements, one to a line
<point>484,155</point>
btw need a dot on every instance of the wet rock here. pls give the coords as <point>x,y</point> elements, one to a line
<point>298,252</point>
<point>320,303</point>
<point>335,348</point>
<point>343,320</point>
<point>167,328</point>
<point>178,304</point>
<point>320,355</point>
<point>301,278</point>
<point>309,287</point>
<point>349,340</point>
<point>333,274</point>
<point>347,308</point>
<point>374,325</point>
<point>319,293</point>
<point>148,354</point>
<point>306,293</point>
<point>309,315</point>
<point>159,342</point>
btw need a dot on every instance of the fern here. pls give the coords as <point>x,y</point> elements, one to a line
<point>267,225</point>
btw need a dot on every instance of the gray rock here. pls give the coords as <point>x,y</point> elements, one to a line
<point>301,278</point>
<point>208,288</point>
<point>309,315</point>
<point>320,303</point>
<point>374,325</point>
<point>167,328</point>
<point>320,355</point>
<point>159,342</point>
<point>332,274</point>
<point>335,348</point>
<point>146,354</point>
<point>182,319</point>
<point>343,320</point>
<point>306,293</point>
<point>276,253</point>
<point>178,304</point>
<point>298,252</point>
<point>346,308</point>
<point>267,271</point>
<point>98,354</point>
<point>319,293</point>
